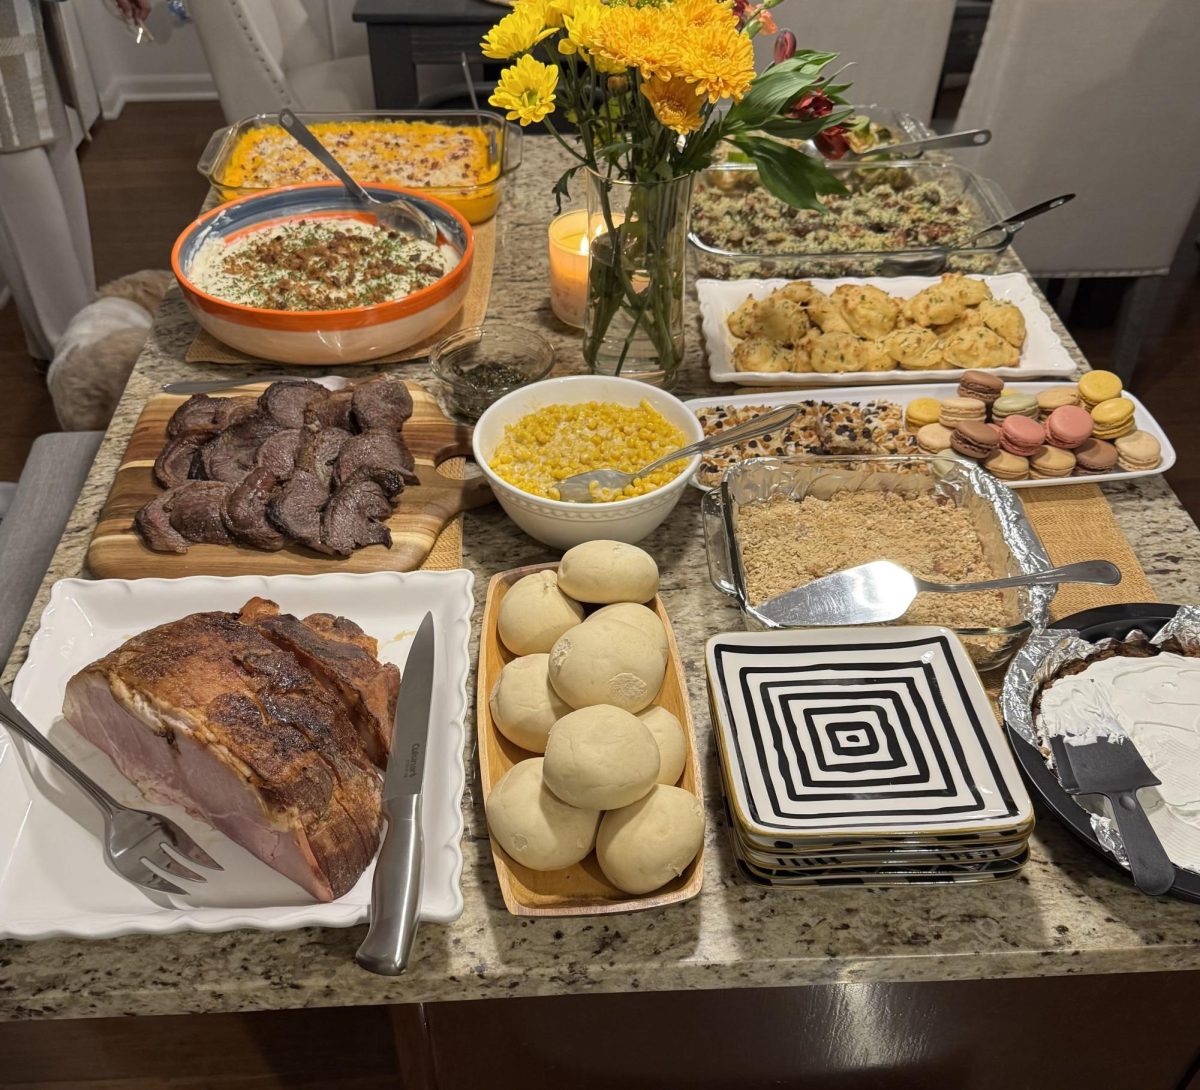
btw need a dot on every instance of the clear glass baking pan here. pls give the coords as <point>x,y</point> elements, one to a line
<point>477,202</point>
<point>1011,546</point>
<point>738,230</point>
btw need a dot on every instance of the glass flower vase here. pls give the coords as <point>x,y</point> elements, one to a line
<point>636,257</point>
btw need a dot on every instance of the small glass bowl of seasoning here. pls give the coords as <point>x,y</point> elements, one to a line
<point>479,364</point>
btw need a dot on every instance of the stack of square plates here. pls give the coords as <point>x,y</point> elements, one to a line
<point>863,756</point>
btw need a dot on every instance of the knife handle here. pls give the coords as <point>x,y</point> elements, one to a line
<point>1152,870</point>
<point>395,890</point>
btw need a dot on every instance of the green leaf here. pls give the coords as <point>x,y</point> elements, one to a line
<point>790,128</point>
<point>773,89</point>
<point>788,174</point>
<point>561,188</point>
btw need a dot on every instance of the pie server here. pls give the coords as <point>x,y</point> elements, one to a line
<point>396,884</point>
<point>1116,770</point>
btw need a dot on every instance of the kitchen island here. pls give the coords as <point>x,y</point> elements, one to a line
<point>1069,913</point>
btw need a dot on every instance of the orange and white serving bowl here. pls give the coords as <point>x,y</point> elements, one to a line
<point>324,337</point>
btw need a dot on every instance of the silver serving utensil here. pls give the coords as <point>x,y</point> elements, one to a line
<point>398,214</point>
<point>1019,219</point>
<point>882,591</point>
<point>578,489</point>
<point>965,138</point>
<point>205,386</point>
<point>138,842</point>
<point>396,884</point>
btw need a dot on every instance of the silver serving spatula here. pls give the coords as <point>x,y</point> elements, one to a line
<point>396,884</point>
<point>1116,770</point>
<point>882,591</point>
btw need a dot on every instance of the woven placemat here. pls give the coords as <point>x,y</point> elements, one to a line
<point>205,348</point>
<point>446,554</point>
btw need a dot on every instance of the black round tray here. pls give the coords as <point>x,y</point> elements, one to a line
<point>1104,622</point>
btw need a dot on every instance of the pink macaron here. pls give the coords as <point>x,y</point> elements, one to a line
<point>1020,435</point>
<point>1068,427</point>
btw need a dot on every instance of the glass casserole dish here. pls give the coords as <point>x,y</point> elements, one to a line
<point>901,218</point>
<point>1010,545</point>
<point>256,154</point>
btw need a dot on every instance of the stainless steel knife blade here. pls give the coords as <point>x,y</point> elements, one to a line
<point>208,385</point>
<point>396,884</point>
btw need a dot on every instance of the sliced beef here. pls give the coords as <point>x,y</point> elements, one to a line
<point>355,516</point>
<point>344,659</point>
<point>203,415</point>
<point>286,401</point>
<point>246,512</point>
<point>295,508</point>
<point>153,522</point>
<point>330,412</point>
<point>278,453</point>
<point>319,449</point>
<point>196,511</point>
<point>377,455</point>
<point>231,455</point>
<point>175,462</point>
<point>381,402</point>
<point>233,410</point>
<point>208,714</point>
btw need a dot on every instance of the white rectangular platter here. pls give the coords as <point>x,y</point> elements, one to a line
<point>54,880</point>
<point>1042,354</point>
<point>903,395</point>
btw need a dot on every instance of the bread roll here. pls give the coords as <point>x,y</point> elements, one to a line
<point>534,613</point>
<point>637,616</point>
<point>524,704</point>
<point>600,758</point>
<point>536,828</point>
<point>672,745</point>
<point>643,846</point>
<point>606,662</point>
<point>601,572</point>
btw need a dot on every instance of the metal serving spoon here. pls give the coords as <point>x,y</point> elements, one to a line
<point>882,591</point>
<point>1019,219</point>
<point>578,489</point>
<point>398,215</point>
<point>966,138</point>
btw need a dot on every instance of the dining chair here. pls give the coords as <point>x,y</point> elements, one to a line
<point>897,46</point>
<point>265,54</point>
<point>1099,98</point>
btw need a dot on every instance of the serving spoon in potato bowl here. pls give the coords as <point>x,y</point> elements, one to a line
<point>396,215</point>
<point>599,485</point>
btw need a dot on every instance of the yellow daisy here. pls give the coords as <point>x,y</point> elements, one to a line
<point>719,61</point>
<point>518,32</point>
<point>526,90</point>
<point>676,103</point>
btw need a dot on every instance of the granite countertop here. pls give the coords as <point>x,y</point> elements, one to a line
<point>1068,912</point>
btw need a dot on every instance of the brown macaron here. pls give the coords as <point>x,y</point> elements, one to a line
<point>1095,456</point>
<point>974,439</point>
<point>980,385</point>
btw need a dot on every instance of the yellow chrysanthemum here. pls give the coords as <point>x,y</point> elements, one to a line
<point>582,23</point>
<point>700,13</point>
<point>644,38</point>
<point>526,90</point>
<point>518,32</point>
<point>676,103</point>
<point>719,61</point>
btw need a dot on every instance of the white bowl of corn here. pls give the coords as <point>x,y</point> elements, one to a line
<point>535,436</point>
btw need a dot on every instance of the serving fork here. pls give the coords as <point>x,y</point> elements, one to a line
<point>138,842</point>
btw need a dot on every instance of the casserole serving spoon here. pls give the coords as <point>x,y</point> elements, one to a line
<point>397,215</point>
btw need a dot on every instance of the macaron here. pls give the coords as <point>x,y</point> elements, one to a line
<point>1068,426</point>
<point>1020,435</point>
<point>1138,450</point>
<point>974,439</point>
<point>980,385</point>
<point>1050,462</point>
<point>1095,456</point>
<point>1113,418</point>
<point>934,438</point>
<point>1055,398</point>
<point>1098,386</point>
<point>1014,404</point>
<point>1007,467</point>
<point>955,410</point>
<point>922,411</point>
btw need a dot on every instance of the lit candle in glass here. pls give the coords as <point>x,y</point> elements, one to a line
<point>569,267</point>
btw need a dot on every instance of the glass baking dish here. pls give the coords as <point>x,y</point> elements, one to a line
<point>1011,546</point>
<point>738,230</point>
<point>476,202</point>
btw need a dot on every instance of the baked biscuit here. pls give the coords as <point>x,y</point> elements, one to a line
<point>907,346</point>
<point>979,347</point>
<point>757,354</point>
<point>826,314</point>
<point>836,352</point>
<point>966,289</point>
<point>741,321</point>
<point>934,305</point>
<point>870,313</point>
<point>1005,319</point>
<point>780,319</point>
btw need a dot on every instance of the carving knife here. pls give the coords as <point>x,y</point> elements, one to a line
<point>396,884</point>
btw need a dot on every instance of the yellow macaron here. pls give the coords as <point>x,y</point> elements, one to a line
<point>922,411</point>
<point>1112,418</point>
<point>1098,386</point>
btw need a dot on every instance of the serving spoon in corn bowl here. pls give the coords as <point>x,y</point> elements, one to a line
<point>601,485</point>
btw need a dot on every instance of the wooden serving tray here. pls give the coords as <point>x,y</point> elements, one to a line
<point>117,550</point>
<point>581,890</point>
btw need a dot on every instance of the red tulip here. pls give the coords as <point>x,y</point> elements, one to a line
<point>785,46</point>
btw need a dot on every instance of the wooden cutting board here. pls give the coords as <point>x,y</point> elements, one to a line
<point>116,550</point>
